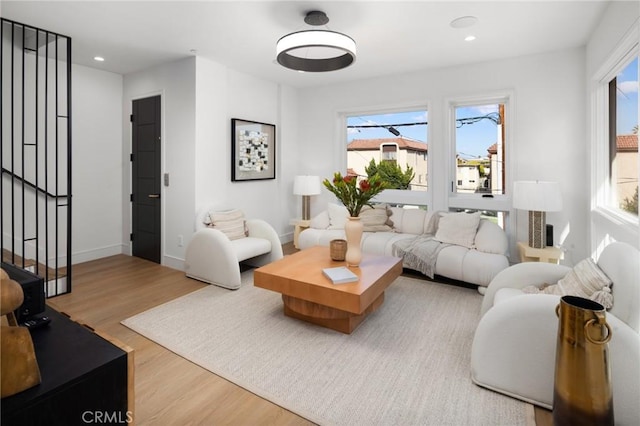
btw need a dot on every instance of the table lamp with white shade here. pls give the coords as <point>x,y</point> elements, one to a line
<point>538,197</point>
<point>306,186</point>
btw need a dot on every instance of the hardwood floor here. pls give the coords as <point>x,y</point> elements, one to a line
<point>169,390</point>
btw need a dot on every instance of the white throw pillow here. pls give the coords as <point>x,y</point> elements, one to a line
<point>585,280</point>
<point>376,219</point>
<point>230,222</point>
<point>320,221</point>
<point>458,228</point>
<point>337,216</point>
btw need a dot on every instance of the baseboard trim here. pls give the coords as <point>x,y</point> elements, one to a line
<point>173,262</point>
<point>97,253</point>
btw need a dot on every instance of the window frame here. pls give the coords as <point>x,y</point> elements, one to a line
<point>391,196</point>
<point>499,202</point>
<point>602,194</point>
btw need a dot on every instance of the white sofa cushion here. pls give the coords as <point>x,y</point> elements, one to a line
<point>319,237</point>
<point>410,221</point>
<point>338,216</point>
<point>248,247</point>
<point>458,228</point>
<point>490,238</point>
<point>381,243</point>
<point>321,220</point>
<point>480,268</point>
<point>376,219</point>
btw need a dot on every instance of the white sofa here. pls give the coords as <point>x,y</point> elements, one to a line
<point>215,259</point>
<point>514,347</point>
<point>476,266</point>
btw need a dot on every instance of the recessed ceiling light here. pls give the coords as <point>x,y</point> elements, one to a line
<point>98,58</point>
<point>463,22</point>
<point>470,38</point>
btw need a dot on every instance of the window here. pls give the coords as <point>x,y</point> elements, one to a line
<point>623,139</point>
<point>480,146</point>
<point>479,154</point>
<point>388,152</point>
<point>393,144</point>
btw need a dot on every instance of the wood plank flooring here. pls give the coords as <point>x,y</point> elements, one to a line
<point>169,389</point>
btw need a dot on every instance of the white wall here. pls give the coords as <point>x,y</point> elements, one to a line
<point>175,82</point>
<point>97,163</point>
<point>200,97</point>
<point>223,94</point>
<point>618,21</point>
<point>548,127</point>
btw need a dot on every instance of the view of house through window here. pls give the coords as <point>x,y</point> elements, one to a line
<point>393,144</point>
<point>623,140</point>
<point>480,149</point>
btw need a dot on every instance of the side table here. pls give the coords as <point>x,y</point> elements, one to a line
<point>547,254</point>
<point>299,226</point>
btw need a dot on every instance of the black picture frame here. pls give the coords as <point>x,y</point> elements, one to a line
<point>253,150</point>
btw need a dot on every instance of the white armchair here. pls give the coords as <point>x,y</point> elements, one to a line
<point>514,346</point>
<point>213,258</point>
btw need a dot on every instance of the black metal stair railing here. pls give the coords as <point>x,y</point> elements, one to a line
<point>35,127</point>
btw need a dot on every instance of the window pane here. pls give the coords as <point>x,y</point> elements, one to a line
<point>395,142</point>
<point>496,217</point>
<point>480,149</point>
<point>624,139</point>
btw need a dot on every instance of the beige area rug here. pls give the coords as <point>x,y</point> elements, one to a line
<point>407,364</point>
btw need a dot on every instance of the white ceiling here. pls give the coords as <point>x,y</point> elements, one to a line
<point>392,36</point>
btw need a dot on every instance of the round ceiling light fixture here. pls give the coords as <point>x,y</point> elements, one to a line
<point>316,50</point>
<point>463,22</point>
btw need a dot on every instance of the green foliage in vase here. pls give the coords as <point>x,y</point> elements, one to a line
<point>353,194</point>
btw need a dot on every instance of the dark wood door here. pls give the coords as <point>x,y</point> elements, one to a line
<point>146,179</point>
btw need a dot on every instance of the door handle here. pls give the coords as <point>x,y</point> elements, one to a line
<point>154,195</point>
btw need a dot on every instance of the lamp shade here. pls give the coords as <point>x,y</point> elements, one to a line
<point>306,185</point>
<point>537,196</point>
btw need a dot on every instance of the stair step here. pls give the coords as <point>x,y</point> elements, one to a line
<point>30,265</point>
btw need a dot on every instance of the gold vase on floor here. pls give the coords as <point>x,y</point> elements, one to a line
<point>582,391</point>
<point>353,231</point>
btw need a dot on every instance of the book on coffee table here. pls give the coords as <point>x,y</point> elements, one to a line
<point>340,275</point>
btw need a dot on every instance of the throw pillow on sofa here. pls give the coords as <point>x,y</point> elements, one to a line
<point>458,228</point>
<point>230,222</point>
<point>338,216</point>
<point>585,280</point>
<point>376,219</point>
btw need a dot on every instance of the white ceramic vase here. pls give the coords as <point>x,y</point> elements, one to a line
<point>353,231</point>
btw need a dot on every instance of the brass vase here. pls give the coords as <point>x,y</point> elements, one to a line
<point>582,392</point>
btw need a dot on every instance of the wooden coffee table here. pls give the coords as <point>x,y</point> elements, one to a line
<point>310,296</point>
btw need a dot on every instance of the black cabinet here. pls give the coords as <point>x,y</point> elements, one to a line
<point>33,289</point>
<point>85,379</point>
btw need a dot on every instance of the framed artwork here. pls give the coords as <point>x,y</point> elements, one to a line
<point>253,150</point>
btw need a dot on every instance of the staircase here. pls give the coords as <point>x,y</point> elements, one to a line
<point>35,127</point>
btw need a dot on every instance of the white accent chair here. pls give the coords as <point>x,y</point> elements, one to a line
<point>514,347</point>
<point>215,259</point>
